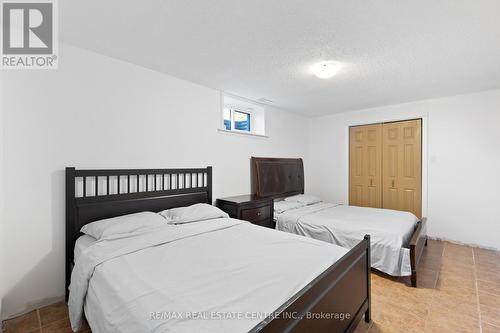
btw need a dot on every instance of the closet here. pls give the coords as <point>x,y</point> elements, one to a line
<point>385,166</point>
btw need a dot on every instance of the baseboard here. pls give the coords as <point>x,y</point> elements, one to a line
<point>34,306</point>
<point>444,239</point>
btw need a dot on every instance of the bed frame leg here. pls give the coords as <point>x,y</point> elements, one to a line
<point>426,241</point>
<point>414,278</point>
<point>368,315</point>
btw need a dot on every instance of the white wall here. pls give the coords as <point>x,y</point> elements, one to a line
<point>463,164</point>
<point>97,112</point>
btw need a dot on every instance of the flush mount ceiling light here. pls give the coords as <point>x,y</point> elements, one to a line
<point>325,69</point>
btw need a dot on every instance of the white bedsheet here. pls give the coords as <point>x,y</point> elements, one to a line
<point>220,266</point>
<point>342,225</point>
<point>83,242</point>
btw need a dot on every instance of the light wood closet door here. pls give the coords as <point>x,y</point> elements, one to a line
<point>365,166</point>
<point>402,166</point>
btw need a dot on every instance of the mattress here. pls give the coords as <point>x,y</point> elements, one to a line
<point>390,231</point>
<point>220,275</point>
<point>81,244</point>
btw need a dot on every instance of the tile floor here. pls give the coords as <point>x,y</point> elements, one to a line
<point>459,291</point>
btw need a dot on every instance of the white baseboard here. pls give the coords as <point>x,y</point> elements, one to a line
<point>34,306</point>
<point>444,239</point>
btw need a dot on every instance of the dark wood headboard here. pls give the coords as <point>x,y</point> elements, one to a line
<point>93,195</point>
<point>277,177</point>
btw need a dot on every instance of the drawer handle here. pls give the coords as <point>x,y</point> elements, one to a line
<point>258,213</point>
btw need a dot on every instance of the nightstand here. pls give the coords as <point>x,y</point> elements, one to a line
<point>249,208</point>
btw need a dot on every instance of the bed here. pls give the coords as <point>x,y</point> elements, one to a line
<point>216,275</point>
<point>397,238</point>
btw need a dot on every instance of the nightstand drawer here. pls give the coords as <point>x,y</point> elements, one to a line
<point>249,208</point>
<point>268,223</point>
<point>256,214</point>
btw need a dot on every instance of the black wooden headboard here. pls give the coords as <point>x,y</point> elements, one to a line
<point>93,195</point>
<point>277,177</point>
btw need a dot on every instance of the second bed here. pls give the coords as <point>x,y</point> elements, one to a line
<point>397,238</point>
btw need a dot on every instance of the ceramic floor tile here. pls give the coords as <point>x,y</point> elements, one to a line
<point>59,326</point>
<point>53,313</point>
<point>432,263</point>
<point>449,327</point>
<point>457,260</point>
<point>489,287</point>
<point>490,315</point>
<point>489,300</point>
<point>447,301</point>
<point>457,272</point>
<point>435,244</point>
<point>457,250</point>
<point>486,253</point>
<point>490,329</point>
<point>454,282</point>
<point>23,324</point>
<point>377,328</point>
<point>487,269</point>
<point>427,280</point>
<point>489,276</point>
<point>487,266</point>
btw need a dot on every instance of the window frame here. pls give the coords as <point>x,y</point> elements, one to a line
<point>233,120</point>
<point>255,111</point>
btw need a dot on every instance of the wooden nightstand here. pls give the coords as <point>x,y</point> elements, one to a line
<point>249,208</point>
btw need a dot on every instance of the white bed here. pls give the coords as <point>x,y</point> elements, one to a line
<point>217,268</point>
<point>343,225</point>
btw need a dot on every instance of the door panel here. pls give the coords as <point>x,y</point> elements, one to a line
<point>390,199</point>
<point>409,161</point>
<point>372,161</point>
<point>356,176</point>
<point>373,194</point>
<point>359,161</point>
<point>402,166</point>
<point>365,165</point>
<point>392,161</point>
<point>357,194</point>
<point>409,200</point>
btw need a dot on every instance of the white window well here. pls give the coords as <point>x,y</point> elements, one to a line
<point>242,116</point>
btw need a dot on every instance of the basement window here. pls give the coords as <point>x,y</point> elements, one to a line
<point>242,116</point>
<point>237,120</point>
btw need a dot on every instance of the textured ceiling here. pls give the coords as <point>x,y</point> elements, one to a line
<point>392,51</point>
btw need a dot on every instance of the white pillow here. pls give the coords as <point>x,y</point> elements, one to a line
<point>305,199</point>
<point>196,212</point>
<point>283,206</point>
<point>123,224</point>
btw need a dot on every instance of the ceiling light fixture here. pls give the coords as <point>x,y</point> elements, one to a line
<point>325,69</point>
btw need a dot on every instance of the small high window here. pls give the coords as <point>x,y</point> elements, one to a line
<point>242,116</point>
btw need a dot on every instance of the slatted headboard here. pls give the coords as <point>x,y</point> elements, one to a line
<point>93,195</point>
<point>277,177</point>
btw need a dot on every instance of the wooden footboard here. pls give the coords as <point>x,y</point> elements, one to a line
<point>417,244</point>
<point>333,302</point>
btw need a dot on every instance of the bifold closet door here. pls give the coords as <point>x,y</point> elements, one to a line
<point>365,166</point>
<point>402,166</point>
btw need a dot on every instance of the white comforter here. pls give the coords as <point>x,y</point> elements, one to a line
<point>220,275</point>
<point>342,225</point>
